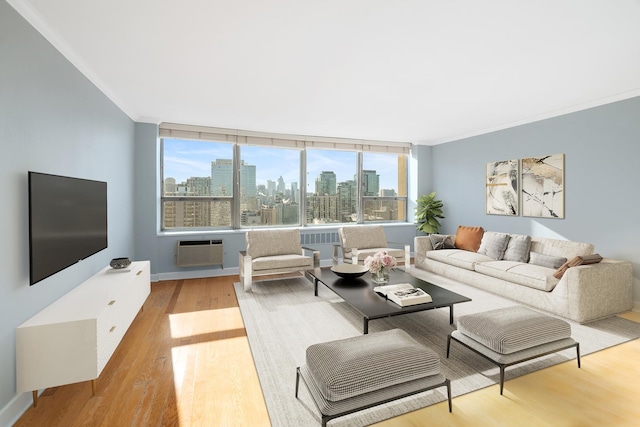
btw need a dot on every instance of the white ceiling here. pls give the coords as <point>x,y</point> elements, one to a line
<point>421,71</point>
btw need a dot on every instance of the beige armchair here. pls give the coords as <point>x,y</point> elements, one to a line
<point>358,242</point>
<point>272,252</point>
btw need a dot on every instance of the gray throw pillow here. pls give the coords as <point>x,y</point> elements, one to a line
<point>546,260</point>
<point>518,248</point>
<point>441,241</point>
<point>493,244</point>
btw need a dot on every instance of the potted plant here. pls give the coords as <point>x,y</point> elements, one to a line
<point>428,211</point>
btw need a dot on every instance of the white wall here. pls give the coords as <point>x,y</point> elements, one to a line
<point>53,120</point>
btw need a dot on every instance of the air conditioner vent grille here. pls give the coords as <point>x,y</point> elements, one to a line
<point>199,253</point>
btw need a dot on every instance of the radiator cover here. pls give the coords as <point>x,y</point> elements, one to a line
<point>199,253</point>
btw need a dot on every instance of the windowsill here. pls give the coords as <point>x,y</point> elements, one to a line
<point>310,228</point>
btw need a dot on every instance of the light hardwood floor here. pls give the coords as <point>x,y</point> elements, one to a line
<point>186,361</point>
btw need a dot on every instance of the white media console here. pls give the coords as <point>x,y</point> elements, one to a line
<point>73,339</point>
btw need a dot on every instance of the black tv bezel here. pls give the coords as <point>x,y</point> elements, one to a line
<point>33,281</point>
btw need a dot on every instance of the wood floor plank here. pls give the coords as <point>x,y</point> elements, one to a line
<point>186,361</point>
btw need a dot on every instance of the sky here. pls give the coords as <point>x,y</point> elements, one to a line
<point>186,159</point>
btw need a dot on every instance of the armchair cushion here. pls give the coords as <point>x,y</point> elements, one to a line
<point>281,262</point>
<point>273,242</point>
<point>364,253</point>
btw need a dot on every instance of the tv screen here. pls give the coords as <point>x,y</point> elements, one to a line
<point>67,222</point>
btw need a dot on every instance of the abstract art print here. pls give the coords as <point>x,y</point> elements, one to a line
<point>543,186</point>
<point>502,188</point>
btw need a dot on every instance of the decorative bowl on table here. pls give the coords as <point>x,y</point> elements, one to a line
<point>349,271</point>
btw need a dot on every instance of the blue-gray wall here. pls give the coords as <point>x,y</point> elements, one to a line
<point>53,120</point>
<point>601,147</point>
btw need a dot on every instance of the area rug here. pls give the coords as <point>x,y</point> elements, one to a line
<point>283,317</point>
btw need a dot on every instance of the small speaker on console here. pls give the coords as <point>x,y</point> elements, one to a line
<point>119,263</point>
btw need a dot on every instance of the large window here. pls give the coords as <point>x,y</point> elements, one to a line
<point>384,186</point>
<point>332,195</point>
<point>216,180</point>
<point>197,184</point>
<point>269,186</point>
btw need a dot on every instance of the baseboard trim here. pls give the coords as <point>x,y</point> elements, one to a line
<point>213,272</point>
<point>16,407</point>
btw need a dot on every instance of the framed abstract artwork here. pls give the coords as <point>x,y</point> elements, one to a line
<point>502,188</point>
<point>543,186</point>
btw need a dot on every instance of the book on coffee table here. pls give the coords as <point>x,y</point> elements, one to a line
<point>403,294</point>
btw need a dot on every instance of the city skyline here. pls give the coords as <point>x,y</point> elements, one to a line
<point>190,159</point>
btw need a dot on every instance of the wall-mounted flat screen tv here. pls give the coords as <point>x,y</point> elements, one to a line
<point>67,222</point>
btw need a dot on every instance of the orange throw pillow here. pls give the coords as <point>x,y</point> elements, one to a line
<point>468,238</point>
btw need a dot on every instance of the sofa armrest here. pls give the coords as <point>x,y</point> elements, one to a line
<point>597,290</point>
<point>334,255</point>
<point>314,253</point>
<point>421,245</point>
<point>407,252</point>
<point>245,270</point>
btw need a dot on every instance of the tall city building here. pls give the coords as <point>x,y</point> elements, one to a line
<point>295,193</point>
<point>247,181</point>
<point>326,183</point>
<point>222,177</point>
<point>370,183</point>
<point>169,186</point>
<point>199,186</point>
<point>347,200</point>
<point>280,188</point>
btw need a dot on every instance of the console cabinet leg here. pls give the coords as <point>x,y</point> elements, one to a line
<point>93,387</point>
<point>34,393</point>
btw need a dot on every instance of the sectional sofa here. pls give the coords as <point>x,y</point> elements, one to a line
<point>539,272</point>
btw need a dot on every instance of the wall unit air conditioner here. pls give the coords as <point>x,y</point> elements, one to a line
<point>199,253</point>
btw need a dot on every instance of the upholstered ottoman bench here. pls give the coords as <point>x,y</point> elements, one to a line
<point>512,335</point>
<point>349,375</point>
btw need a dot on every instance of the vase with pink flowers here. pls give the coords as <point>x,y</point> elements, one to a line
<point>379,264</point>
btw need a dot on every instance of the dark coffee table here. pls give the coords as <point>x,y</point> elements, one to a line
<point>359,294</point>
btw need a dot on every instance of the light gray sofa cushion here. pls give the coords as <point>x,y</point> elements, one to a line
<point>533,276</point>
<point>458,258</point>
<point>493,244</point>
<point>511,329</point>
<point>353,366</point>
<point>518,248</point>
<point>548,261</point>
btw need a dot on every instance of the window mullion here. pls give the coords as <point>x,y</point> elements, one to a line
<point>302,202</point>
<point>235,206</point>
<point>360,189</point>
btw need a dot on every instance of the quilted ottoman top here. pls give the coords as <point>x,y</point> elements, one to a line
<point>511,329</point>
<point>349,367</point>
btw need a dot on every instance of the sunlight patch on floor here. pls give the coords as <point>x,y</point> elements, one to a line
<point>204,322</point>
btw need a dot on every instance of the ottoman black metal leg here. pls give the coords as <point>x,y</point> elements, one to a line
<point>297,379</point>
<point>449,394</point>
<point>578,353</point>
<point>448,344</point>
